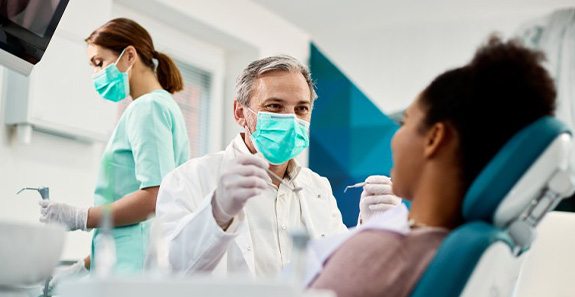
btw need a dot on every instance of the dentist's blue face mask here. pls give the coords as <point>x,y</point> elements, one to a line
<point>111,83</point>
<point>279,137</point>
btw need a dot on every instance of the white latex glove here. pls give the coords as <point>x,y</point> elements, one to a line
<point>376,197</point>
<point>245,178</point>
<point>73,271</point>
<point>74,218</point>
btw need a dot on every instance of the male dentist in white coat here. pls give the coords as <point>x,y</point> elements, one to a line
<point>223,213</point>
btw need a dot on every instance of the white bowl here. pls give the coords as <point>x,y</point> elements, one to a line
<point>28,253</point>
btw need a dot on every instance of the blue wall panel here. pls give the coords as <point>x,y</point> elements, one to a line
<point>350,136</point>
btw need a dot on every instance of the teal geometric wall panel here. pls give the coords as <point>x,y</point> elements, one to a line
<point>350,136</point>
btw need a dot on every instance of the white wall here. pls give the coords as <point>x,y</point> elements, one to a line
<point>393,64</point>
<point>391,49</point>
<point>404,58</point>
<point>241,30</point>
<point>407,57</point>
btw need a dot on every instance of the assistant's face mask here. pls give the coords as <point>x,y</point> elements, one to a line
<point>111,83</point>
<point>279,137</point>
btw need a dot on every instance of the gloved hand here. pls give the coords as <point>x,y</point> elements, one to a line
<point>376,197</point>
<point>75,270</point>
<point>73,218</point>
<point>245,178</point>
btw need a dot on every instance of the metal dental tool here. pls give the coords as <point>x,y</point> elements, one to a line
<point>281,180</point>
<point>358,185</point>
<point>44,192</point>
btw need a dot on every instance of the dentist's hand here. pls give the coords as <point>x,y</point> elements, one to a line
<point>245,178</point>
<point>74,218</point>
<point>376,197</point>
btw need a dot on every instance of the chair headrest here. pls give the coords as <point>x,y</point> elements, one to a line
<point>495,182</point>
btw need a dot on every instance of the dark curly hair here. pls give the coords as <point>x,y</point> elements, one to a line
<point>503,89</point>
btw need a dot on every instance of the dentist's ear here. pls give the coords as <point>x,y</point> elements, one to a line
<point>239,114</point>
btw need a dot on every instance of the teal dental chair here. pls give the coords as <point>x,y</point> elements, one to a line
<point>526,179</point>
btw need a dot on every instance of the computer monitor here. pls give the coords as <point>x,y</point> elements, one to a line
<point>26,27</point>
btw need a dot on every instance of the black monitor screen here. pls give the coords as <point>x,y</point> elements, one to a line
<point>26,26</point>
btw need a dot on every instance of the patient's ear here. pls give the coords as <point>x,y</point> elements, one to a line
<point>439,137</point>
<point>239,113</point>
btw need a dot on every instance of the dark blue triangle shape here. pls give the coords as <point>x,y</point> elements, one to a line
<point>350,136</point>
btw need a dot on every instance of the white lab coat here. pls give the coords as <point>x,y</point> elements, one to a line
<point>195,241</point>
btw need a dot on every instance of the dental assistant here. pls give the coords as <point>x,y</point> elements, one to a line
<point>149,141</point>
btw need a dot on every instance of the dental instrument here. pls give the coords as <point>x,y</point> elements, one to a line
<point>44,192</point>
<point>358,185</point>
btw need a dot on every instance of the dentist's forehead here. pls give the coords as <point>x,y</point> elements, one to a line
<point>286,86</point>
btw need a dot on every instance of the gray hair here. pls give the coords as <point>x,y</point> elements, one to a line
<point>245,82</point>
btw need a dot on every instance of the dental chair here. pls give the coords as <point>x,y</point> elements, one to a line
<point>526,179</point>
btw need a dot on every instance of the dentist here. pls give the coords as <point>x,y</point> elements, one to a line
<point>223,213</point>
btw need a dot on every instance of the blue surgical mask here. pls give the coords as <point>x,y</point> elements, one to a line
<point>111,83</point>
<point>280,137</point>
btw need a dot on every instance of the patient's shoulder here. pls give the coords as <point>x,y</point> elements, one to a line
<point>424,240</point>
<point>384,242</point>
<point>375,240</point>
<point>379,262</point>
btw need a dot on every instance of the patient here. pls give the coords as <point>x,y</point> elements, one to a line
<point>451,131</point>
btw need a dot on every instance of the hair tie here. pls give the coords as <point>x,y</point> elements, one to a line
<point>155,54</point>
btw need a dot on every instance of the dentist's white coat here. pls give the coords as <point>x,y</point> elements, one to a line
<point>197,244</point>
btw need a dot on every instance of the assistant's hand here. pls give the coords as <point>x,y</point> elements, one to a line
<point>376,197</point>
<point>74,218</point>
<point>245,178</point>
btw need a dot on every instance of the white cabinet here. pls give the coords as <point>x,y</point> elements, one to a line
<point>58,96</point>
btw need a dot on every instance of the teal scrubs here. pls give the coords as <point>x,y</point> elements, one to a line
<point>149,141</point>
